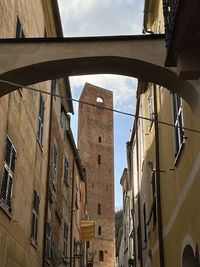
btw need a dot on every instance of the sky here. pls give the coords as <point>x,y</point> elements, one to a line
<point>104,18</point>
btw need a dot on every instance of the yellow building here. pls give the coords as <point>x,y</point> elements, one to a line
<point>163,157</point>
<point>41,174</point>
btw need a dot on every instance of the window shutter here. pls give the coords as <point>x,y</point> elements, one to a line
<point>9,193</point>
<point>34,229</point>
<point>41,120</point>
<point>8,150</point>
<point>66,169</point>
<point>9,167</point>
<point>4,185</point>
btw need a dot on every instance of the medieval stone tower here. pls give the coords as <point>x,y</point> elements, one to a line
<point>96,146</point>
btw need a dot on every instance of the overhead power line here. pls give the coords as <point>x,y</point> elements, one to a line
<point>97,105</point>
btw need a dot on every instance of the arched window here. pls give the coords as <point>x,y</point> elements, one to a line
<point>99,100</point>
<point>188,258</point>
<point>99,230</point>
<point>99,209</point>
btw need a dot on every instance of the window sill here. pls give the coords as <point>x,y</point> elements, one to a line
<point>178,155</point>
<point>5,209</point>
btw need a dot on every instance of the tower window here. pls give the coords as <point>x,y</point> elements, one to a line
<point>99,100</point>
<point>99,209</point>
<point>99,139</point>
<point>99,230</point>
<point>101,256</point>
<point>99,159</point>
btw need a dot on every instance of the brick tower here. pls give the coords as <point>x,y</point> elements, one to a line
<point>95,143</point>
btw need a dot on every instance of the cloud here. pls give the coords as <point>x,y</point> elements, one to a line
<point>105,17</point>
<point>124,88</point>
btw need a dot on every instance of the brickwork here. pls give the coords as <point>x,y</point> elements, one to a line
<point>95,143</point>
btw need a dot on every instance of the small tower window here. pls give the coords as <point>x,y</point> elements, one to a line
<point>99,230</point>
<point>99,159</point>
<point>99,209</point>
<point>99,139</point>
<point>99,100</point>
<point>101,258</point>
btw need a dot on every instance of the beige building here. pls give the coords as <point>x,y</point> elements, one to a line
<point>163,153</point>
<point>95,143</point>
<point>41,177</point>
<point>126,249</point>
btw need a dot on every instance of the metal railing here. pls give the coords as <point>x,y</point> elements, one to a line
<point>169,11</point>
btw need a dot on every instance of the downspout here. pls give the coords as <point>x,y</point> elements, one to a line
<point>72,213</point>
<point>47,179</point>
<point>139,212</point>
<point>158,197</point>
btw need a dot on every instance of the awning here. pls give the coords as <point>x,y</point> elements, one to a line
<point>87,230</point>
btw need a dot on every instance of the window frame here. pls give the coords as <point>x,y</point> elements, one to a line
<point>179,138</point>
<point>35,217</point>
<point>9,167</point>
<point>151,106</point>
<point>65,239</point>
<point>65,169</point>
<point>48,241</point>
<point>55,163</point>
<point>41,120</point>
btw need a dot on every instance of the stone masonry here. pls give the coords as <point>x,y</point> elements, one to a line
<point>95,143</point>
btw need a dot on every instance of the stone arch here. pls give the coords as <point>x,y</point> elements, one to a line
<point>37,60</point>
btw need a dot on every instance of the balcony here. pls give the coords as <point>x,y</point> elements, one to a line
<point>182,28</point>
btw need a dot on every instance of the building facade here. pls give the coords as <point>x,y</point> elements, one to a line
<point>163,158</point>
<point>95,143</point>
<point>41,177</point>
<point>126,254</point>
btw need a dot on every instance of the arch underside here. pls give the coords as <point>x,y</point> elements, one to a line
<point>31,63</point>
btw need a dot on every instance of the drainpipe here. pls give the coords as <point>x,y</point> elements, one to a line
<point>47,179</point>
<point>72,213</point>
<point>158,197</point>
<point>139,211</point>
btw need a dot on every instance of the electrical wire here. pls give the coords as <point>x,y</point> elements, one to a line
<point>102,107</point>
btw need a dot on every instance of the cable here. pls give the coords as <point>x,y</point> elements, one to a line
<point>96,105</point>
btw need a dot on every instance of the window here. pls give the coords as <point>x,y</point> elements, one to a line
<point>101,256</point>
<point>19,31</point>
<point>55,162</point>
<point>145,223</point>
<point>34,228</point>
<point>41,120</point>
<point>99,139</point>
<point>99,100</point>
<point>99,209</point>
<point>66,169</point>
<point>178,123</point>
<point>99,230</point>
<point>151,105</point>
<point>62,115</point>
<point>48,241</point>
<point>154,206</point>
<point>8,173</point>
<point>65,239</point>
<point>53,87</point>
<point>99,159</point>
